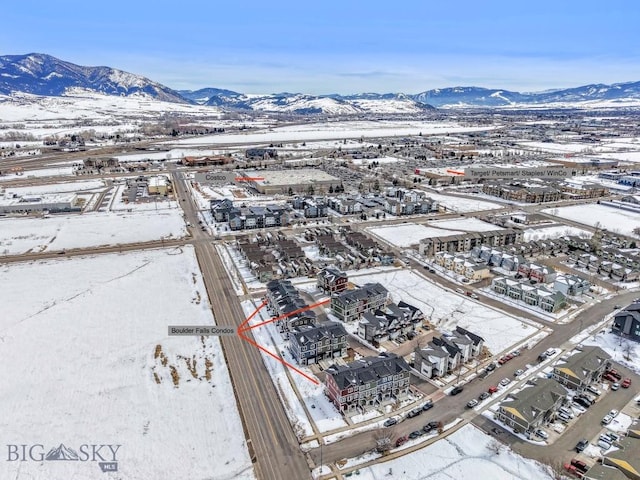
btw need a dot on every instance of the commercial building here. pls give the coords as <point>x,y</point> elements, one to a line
<point>303,180</point>
<point>56,203</point>
<point>368,383</point>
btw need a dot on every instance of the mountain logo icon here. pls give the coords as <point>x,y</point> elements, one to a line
<point>62,453</point>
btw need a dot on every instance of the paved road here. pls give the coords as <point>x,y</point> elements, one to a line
<point>266,425</point>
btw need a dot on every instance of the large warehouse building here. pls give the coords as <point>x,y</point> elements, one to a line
<point>298,180</point>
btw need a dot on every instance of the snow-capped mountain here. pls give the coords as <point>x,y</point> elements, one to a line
<point>44,75</point>
<point>41,74</point>
<point>485,97</point>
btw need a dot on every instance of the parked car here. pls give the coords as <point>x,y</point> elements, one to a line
<point>615,386</point>
<point>505,381</point>
<point>612,437</point>
<point>456,390</point>
<point>474,296</point>
<point>484,396</point>
<point>614,373</point>
<point>491,367</point>
<point>567,412</point>
<point>411,335</point>
<point>542,434</point>
<point>580,465</point>
<point>608,376</point>
<point>578,407</point>
<point>492,389</point>
<point>582,402</point>
<point>516,353</point>
<point>604,445</point>
<point>550,351</point>
<point>626,383</point>
<point>414,413</point>
<point>401,440</point>
<point>606,420</point>
<point>518,372</point>
<point>430,426</point>
<point>415,434</point>
<point>594,390</point>
<point>472,403</point>
<point>613,413</point>
<point>390,422</point>
<point>459,290</point>
<point>581,445</point>
<point>564,418</point>
<point>427,405</point>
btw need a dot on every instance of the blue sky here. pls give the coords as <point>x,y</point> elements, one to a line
<point>334,46</point>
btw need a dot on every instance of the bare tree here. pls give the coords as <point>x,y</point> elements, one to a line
<point>555,467</point>
<point>627,350</point>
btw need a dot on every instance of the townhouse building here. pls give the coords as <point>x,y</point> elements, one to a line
<point>582,368</point>
<point>626,323</point>
<point>368,383</point>
<point>331,280</point>
<point>349,305</point>
<point>311,344</point>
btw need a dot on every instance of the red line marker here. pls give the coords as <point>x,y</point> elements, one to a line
<point>286,364</point>
<point>248,179</point>
<point>284,315</point>
<point>248,319</point>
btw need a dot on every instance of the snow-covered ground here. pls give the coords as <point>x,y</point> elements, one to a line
<point>557,231</point>
<point>447,309</point>
<point>467,453</point>
<point>54,233</point>
<point>79,186</point>
<point>465,224</point>
<point>407,234</point>
<point>463,205</point>
<point>88,360</point>
<point>622,350</point>
<point>333,130</point>
<point>41,172</point>
<point>613,219</point>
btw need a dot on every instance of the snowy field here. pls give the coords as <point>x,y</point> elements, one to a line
<point>447,309</point>
<point>88,360</point>
<point>463,205</point>
<point>624,351</point>
<point>22,235</point>
<point>466,225</point>
<point>613,219</point>
<point>465,454</point>
<point>332,130</point>
<point>67,187</point>
<point>407,234</point>
<point>557,231</point>
<point>42,172</point>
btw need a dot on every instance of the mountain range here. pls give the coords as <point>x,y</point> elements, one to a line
<point>44,75</point>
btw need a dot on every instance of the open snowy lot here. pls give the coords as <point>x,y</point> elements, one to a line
<point>332,130</point>
<point>21,235</point>
<point>87,360</point>
<point>466,225</point>
<point>67,187</point>
<point>556,231</point>
<point>462,205</point>
<point>407,234</point>
<point>613,219</point>
<point>447,309</point>
<point>467,453</point>
<point>622,350</point>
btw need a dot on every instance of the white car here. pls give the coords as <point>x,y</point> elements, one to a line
<point>542,434</point>
<point>505,381</point>
<point>607,420</point>
<point>550,351</point>
<point>613,413</point>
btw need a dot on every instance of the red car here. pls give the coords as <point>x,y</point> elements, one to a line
<point>580,465</point>
<point>573,470</point>
<point>614,373</point>
<point>626,383</point>
<point>401,441</point>
<point>503,360</point>
<point>611,378</point>
<point>493,389</point>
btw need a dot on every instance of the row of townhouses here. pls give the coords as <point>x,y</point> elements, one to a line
<point>368,383</point>
<point>470,268</point>
<point>286,304</point>
<point>313,343</point>
<point>349,305</point>
<point>312,207</point>
<point>496,257</point>
<point>536,272</point>
<point>248,217</point>
<point>443,355</point>
<point>464,242</point>
<point>534,295</point>
<point>331,280</point>
<point>594,262</point>
<point>389,322</point>
<point>536,405</point>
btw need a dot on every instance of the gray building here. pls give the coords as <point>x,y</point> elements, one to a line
<point>582,368</point>
<point>626,323</point>
<point>533,406</point>
<point>312,343</point>
<point>349,305</point>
